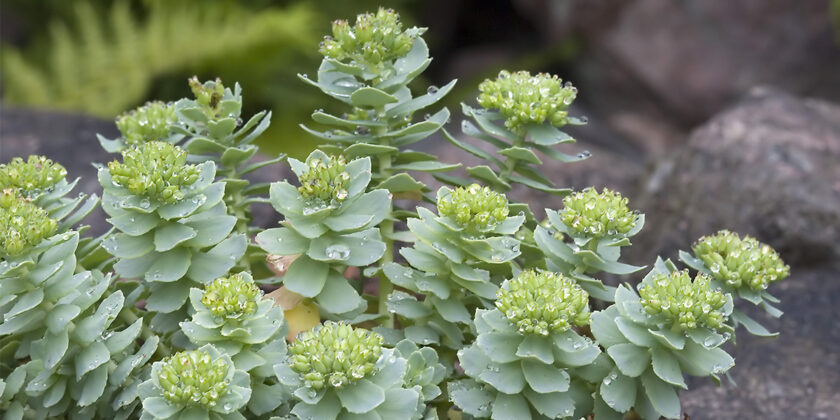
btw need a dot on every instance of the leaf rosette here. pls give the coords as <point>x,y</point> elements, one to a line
<point>523,360</point>
<point>331,223</point>
<point>337,371</point>
<point>674,328</point>
<point>454,261</point>
<point>174,232</point>
<point>744,267</point>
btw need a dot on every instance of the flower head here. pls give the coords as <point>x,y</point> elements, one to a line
<point>374,40</point>
<point>208,95</point>
<point>543,302</point>
<point>474,208</point>
<point>22,224</point>
<point>335,354</point>
<point>35,174</point>
<point>156,170</point>
<point>232,297</point>
<point>597,215</point>
<point>740,262</point>
<point>525,99</point>
<point>683,303</point>
<point>325,181</point>
<point>147,123</point>
<point>193,378</point>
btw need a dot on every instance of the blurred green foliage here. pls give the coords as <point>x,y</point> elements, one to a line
<point>103,58</point>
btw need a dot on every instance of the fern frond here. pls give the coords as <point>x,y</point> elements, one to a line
<point>106,65</point>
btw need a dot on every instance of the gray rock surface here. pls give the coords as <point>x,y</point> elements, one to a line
<point>768,167</point>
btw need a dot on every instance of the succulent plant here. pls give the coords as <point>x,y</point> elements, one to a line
<point>598,224</point>
<point>201,383</point>
<point>22,223</point>
<point>525,99</point>
<point>153,121</point>
<point>331,224</point>
<point>32,176</point>
<point>675,328</point>
<point>173,230</point>
<point>424,372</point>
<point>453,264</point>
<point>744,267</point>
<point>338,371</point>
<point>523,357</point>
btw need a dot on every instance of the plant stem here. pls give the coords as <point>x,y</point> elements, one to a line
<point>386,228</point>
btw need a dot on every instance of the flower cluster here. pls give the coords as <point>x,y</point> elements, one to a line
<point>543,302</point>
<point>208,95</point>
<point>232,297</point>
<point>474,208</point>
<point>683,303</point>
<point>372,41</point>
<point>594,214</point>
<point>149,122</point>
<point>22,224</point>
<point>738,262</point>
<point>35,174</point>
<point>525,99</point>
<point>325,181</point>
<point>335,354</point>
<point>193,378</point>
<point>155,170</point>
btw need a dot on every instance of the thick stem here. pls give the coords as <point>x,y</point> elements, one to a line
<point>386,228</point>
<point>510,163</point>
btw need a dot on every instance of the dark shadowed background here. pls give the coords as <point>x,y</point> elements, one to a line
<point>707,114</point>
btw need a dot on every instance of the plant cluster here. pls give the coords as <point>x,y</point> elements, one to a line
<point>403,302</point>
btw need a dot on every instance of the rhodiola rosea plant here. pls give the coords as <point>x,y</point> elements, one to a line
<point>377,296</point>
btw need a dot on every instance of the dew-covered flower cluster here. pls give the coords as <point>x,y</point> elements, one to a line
<point>526,99</point>
<point>35,174</point>
<point>474,208</point>
<point>740,262</point>
<point>335,354</point>
<point>232,297</point>
<point>325,181</point>
<point>156,170</point>
<point>683,303</point>
<point>22,224</point>
<point>594,214</point>
<point>373,40</point>
<point>542,302</point>
<point>193,378</point>
<point>149,122</point>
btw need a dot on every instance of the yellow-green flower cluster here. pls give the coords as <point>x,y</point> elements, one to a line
<point>594,214</point>
<point>35,174</point>
<point>232,297</point>
<point>155,170</point>
<point>335,354</point>
<point>325,182</point>
<point>208,95</point>
<point>740,262</point>
<point>525,99</point>
<point>474,208</point>
<point>543,302</point>
<point>193,378</point>
<point>375,39</point>
<point>147,123</point>
<point>684,303</point>
<point>22,224</point>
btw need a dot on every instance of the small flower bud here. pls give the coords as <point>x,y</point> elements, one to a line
<point>683,303</point>
<point>208,95</point>
<point>325,182</point>
<point>740,262</point>
<point>336,354</point>
<point>232,297</point>
<point>525,99</point>
<point>543,302</point>
<point>591,214</point>
<point>147,123</point>
<point>474,208</point>
<point>156,170</point>
<point>375,39</point>
<point>193,378</point>
<point>22,224</point>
